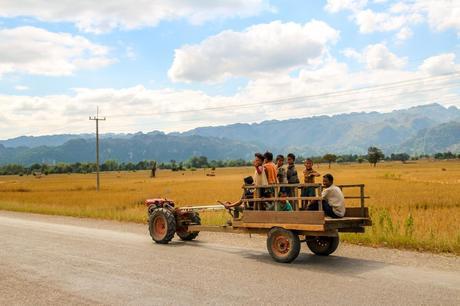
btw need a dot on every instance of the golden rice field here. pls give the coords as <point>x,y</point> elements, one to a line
<point>415,205</point>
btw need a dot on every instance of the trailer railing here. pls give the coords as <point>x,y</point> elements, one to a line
<point>258,202</point>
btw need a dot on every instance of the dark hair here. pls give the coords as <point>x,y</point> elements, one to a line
<point>259,156</point>
<point>309,160</point>
<point>280,157</point>
<point>329,177</point>
<point>248,180</point>
<point>291,155</point>
<point>268,156</point>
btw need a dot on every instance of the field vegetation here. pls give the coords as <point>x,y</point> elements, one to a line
<point>414,205</point>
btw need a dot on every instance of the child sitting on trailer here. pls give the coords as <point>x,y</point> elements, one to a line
<point>283,205</point>
<point>248,193</point>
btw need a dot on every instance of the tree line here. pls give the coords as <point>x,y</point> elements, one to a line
<point>373,156</point>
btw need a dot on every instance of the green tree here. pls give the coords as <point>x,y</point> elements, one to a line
<point>374,155</point>
<point>330,158</point>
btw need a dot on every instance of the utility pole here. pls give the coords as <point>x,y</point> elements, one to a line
<point>97,119</point>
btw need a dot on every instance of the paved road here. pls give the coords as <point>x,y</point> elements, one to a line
<point>61,260</point>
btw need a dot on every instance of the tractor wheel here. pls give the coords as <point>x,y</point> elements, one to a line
<point>184,234</point>
<point>152,208</point>
<point>322,245</point>
<point>162,225</point>
<point>283,245</point>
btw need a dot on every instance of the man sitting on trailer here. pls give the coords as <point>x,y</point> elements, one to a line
<point>333,200</point>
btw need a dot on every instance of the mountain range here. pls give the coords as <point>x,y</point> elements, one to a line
<point>422,129</point>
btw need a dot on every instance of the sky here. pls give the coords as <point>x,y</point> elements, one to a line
<point>177,64</point>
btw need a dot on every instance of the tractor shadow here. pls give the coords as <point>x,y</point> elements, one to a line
<point>332,264</point>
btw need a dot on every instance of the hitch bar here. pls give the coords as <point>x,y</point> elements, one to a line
<point>201,208</point>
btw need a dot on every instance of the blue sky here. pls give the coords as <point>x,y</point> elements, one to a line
<point>150,65</point>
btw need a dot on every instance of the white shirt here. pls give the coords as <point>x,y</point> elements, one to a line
<point>334,197</point>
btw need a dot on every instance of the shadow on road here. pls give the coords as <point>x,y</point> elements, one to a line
<point>332,264</point>
<point>346,266</point>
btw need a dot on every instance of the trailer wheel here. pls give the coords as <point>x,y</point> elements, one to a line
<point>322,245</point>
<point>283,245</point>
<point>184,234</point>
<point>162,225</point>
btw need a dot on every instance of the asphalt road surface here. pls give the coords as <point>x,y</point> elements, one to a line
<point>62,260</point>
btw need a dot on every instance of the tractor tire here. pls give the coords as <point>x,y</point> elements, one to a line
<point>322,245</point>
<point>186,235</point>
<point>152,208</point>
<point>162,225</point>
<point>283,245</point>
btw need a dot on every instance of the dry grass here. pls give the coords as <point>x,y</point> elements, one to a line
<point>412,205</point>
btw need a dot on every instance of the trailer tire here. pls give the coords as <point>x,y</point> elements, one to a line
<point>162,225</point>
<point>186,235</point>
<point>283,245</point>
<point>322,245</point>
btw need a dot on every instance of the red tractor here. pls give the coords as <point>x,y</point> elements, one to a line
<point>165,220</point>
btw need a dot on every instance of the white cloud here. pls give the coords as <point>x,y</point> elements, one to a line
<point>370,21</point>
<point>379,57</point>
<point>352,53</point>
<point>440,64</point>
<point>376,57</point>
<point>334,6</point>
<point>441,15</point>
<point>130,53</point>
<point>37,51</point>
<point>139,108</point>
<point>21,87</point>
<point>105,15</point>
<point>404,34</point>
<point>263,48</point>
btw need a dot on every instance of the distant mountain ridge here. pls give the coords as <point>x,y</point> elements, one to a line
<point>345,133</point>
<point>160,147</point>
<point>423,129</point>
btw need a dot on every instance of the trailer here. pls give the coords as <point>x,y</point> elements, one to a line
<point>285,230</point>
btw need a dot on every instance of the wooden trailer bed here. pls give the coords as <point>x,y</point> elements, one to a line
<point>311,221</point>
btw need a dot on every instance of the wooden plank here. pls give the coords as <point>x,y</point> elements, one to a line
<point>350,185</point>
<point>283,185</point>
<point>350,222</point>
<point>362,201</point>
<point>283,198</point>
<point>357,197</point>
<point>356,212</point>
<point>209,228</point>
<point>359,229</point>
<point>285,217</point>
<point>299,227</point>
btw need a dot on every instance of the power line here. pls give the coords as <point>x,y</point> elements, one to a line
<point>453,84</point>
<point>385,86</point>
<point>287,116</point>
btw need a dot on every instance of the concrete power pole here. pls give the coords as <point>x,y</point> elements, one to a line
<point>97,119</point>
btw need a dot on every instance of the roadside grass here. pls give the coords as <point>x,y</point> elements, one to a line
<point>415,206</point>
